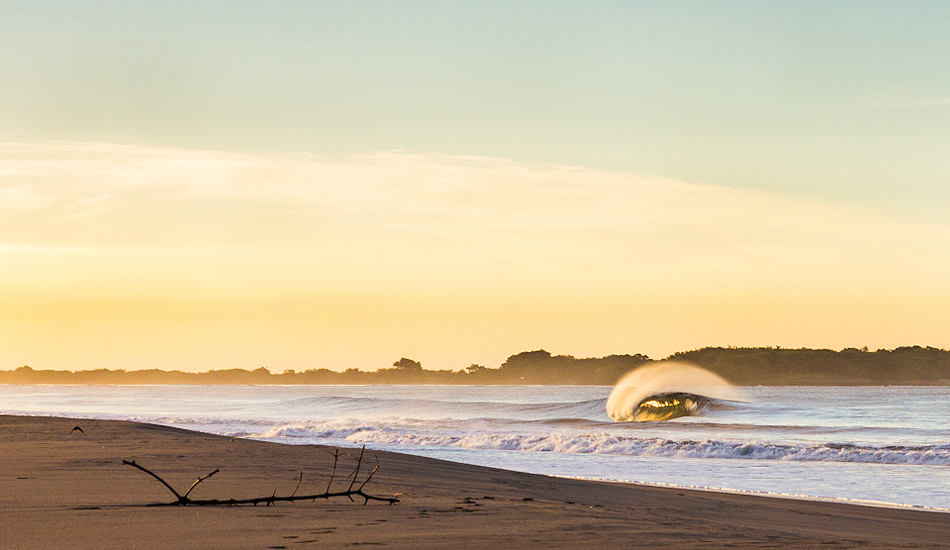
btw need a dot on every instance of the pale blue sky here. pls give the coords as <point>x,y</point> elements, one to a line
<point>845,101</point>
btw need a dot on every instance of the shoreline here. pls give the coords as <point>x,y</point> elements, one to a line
<point>868,502</point>
<point>60,489</point>
<point>762,494</point>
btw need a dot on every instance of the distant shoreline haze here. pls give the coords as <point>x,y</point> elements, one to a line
<point>912,365</point>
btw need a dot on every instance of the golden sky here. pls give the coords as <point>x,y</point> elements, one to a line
<point>132,257</point>
<point>200,185</point>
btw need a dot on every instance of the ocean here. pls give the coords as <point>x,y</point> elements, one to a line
<point>884,446</point>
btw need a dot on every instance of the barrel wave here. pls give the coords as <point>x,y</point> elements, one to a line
<point>667,390</point>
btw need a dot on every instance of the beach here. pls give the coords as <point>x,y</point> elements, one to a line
<point>62,488</point>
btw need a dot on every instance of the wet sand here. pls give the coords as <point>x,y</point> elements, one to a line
<point>70,490</point>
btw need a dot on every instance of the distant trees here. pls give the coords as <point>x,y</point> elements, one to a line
<point>913,365</point>
<point>407,365</point>
<point>475,369</point>
<point>540,367</point>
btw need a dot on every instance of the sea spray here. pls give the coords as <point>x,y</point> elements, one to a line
<point>667,390</point>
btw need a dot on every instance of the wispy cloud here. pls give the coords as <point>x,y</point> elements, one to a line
<point>91,206</point>
<point>23,197</point>
<point>308,254</point>
<point>911,104</point>
<point>401,189</point>
<point>432,209</point>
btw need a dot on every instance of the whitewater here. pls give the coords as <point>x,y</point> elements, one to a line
<point>869,445</point>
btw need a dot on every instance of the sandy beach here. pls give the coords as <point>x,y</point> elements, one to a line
<point>69,489</point>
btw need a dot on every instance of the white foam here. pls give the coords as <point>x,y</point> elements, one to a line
<point>394,434</point>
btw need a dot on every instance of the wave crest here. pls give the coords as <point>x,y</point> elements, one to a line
<point>667,390</point>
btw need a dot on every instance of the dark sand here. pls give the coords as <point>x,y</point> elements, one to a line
<point>62,490</point>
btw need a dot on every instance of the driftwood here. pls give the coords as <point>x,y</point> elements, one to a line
<point>355,488</point>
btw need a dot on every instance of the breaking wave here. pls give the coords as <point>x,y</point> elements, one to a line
<point>665,391</point>
<point>388,435</point>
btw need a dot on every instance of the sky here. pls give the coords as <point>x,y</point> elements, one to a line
<point>297,185</point>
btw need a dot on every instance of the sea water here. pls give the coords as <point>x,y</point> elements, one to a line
<point>871,445</point>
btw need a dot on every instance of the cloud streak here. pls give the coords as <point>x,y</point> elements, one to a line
<point>458,197</point>
<point>459,223</point>
<point>23,197</point>
<point>304,255</point>
<point>921,103</point>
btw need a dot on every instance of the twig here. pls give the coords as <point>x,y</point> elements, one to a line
<point>336,458</point>
<point>354,490</point>
<point>370,476</point>
<point>156,476</point>
<point>200,479</point>
<point>356,472</point>
<point>299,481</point>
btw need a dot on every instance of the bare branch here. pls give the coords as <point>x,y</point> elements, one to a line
<point>369,477</point>
<point>149,472</point>
<point>356,472</point>
<point>299,481</point>
<point>336,458</point>
<point>200,479</point>
<point>350,492</point>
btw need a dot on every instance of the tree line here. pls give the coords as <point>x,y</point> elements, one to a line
<point>913,365</point>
